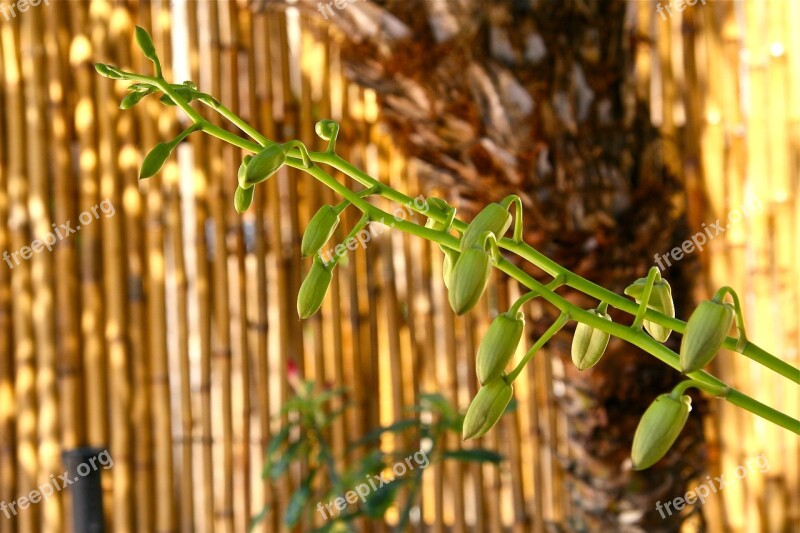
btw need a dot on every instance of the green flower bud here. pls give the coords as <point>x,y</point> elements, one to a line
<point>240,175</point>
<point>660,300</point>
<point>313,289</point>
<point>155,159</point>
<point>659,427</point>
<point>242,199</point>
<point>320,228</point>
<point>131,99</point>
<point>494,218</point>
<point>468,279</point>
<point>450,259</point>
<point>108,71</point>
<point>705,332</point>
<point>264,164</point>
<point>498,345</point>
<point>145,43</point>
<point>589,344</point>
<point>486,408</point>
<point>325,129</point>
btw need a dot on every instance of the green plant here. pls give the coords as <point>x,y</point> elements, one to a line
<point>302,441</point>
<point>474,250</point>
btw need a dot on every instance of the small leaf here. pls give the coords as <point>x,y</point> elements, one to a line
<point>154,160</point>
<point>276,470</point>
<point>278,439</point>
<point>184,92</point>
<point>145,42</point>
<point>475,455</point>
<point>131,100</point>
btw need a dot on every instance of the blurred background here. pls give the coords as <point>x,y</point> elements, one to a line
<point>165,328</point>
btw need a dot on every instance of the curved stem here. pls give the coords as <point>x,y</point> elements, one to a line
<point>680,388</point>
<point>737,306</point>
<point>648,288</point>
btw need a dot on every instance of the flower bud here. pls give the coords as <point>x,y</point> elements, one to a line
<point>498,345</point>
<point>660,300</point>
<point>131,99</point>
<point>242,173</point>
<point>319,230</point>
<point>326,129</point>
<point>589,344</point>
<point>705,332</point>
<point>155,159</point>
<point>486,408</point>
<point>659,427</point>
<point>494,218</point>
<point>450,259</point>
<point>242,199</point>
<point>313,289</point>
<point>264,164</point>
<point>468,279</point>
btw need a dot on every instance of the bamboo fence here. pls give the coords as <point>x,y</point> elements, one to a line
<point>167,330</point>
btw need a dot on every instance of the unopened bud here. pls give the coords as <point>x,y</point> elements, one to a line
<point>320,228</point>
<point>705,332</point>
<point>264,164</point>
<point>242,173</point>
<point>242,199</point>
<point>155,159</point>
<point>498,345</point>
<point>493,218</point>
<point>449,261</point>
<point>660,300</point>
<point>589,344</point>
<point>486,408</point>
<point>658,429</point>
<point>313,289</point>
<point>468,279</point>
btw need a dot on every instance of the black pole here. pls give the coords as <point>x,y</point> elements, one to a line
<point>83,467</point>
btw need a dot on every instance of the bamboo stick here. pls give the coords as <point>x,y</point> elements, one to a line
<point>18,226</point>
<point>114,285</point>
<point>7,392</point>
<point>164,508</point>
<point>91,297</point>
<point>202,289</point>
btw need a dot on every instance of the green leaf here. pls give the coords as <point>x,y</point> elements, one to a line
<point>297,502</point>
<point>278,439</point>
<point>145,42</point>
<point>474,455</point>
<point>154,160</point>
<point>276,470</point>
<point>131,100</point>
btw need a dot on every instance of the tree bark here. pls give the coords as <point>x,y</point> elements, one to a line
<point>538,98</point>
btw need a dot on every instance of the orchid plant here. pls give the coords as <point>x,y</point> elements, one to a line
<point>471,250</point>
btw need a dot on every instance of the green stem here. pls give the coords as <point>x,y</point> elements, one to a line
<point>680,388</point>
<point>652,276</point>
<point>560,274</point>
<point>546,336</point>
<point>739,315</point>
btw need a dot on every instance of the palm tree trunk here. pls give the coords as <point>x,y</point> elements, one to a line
<point>539,98</point>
